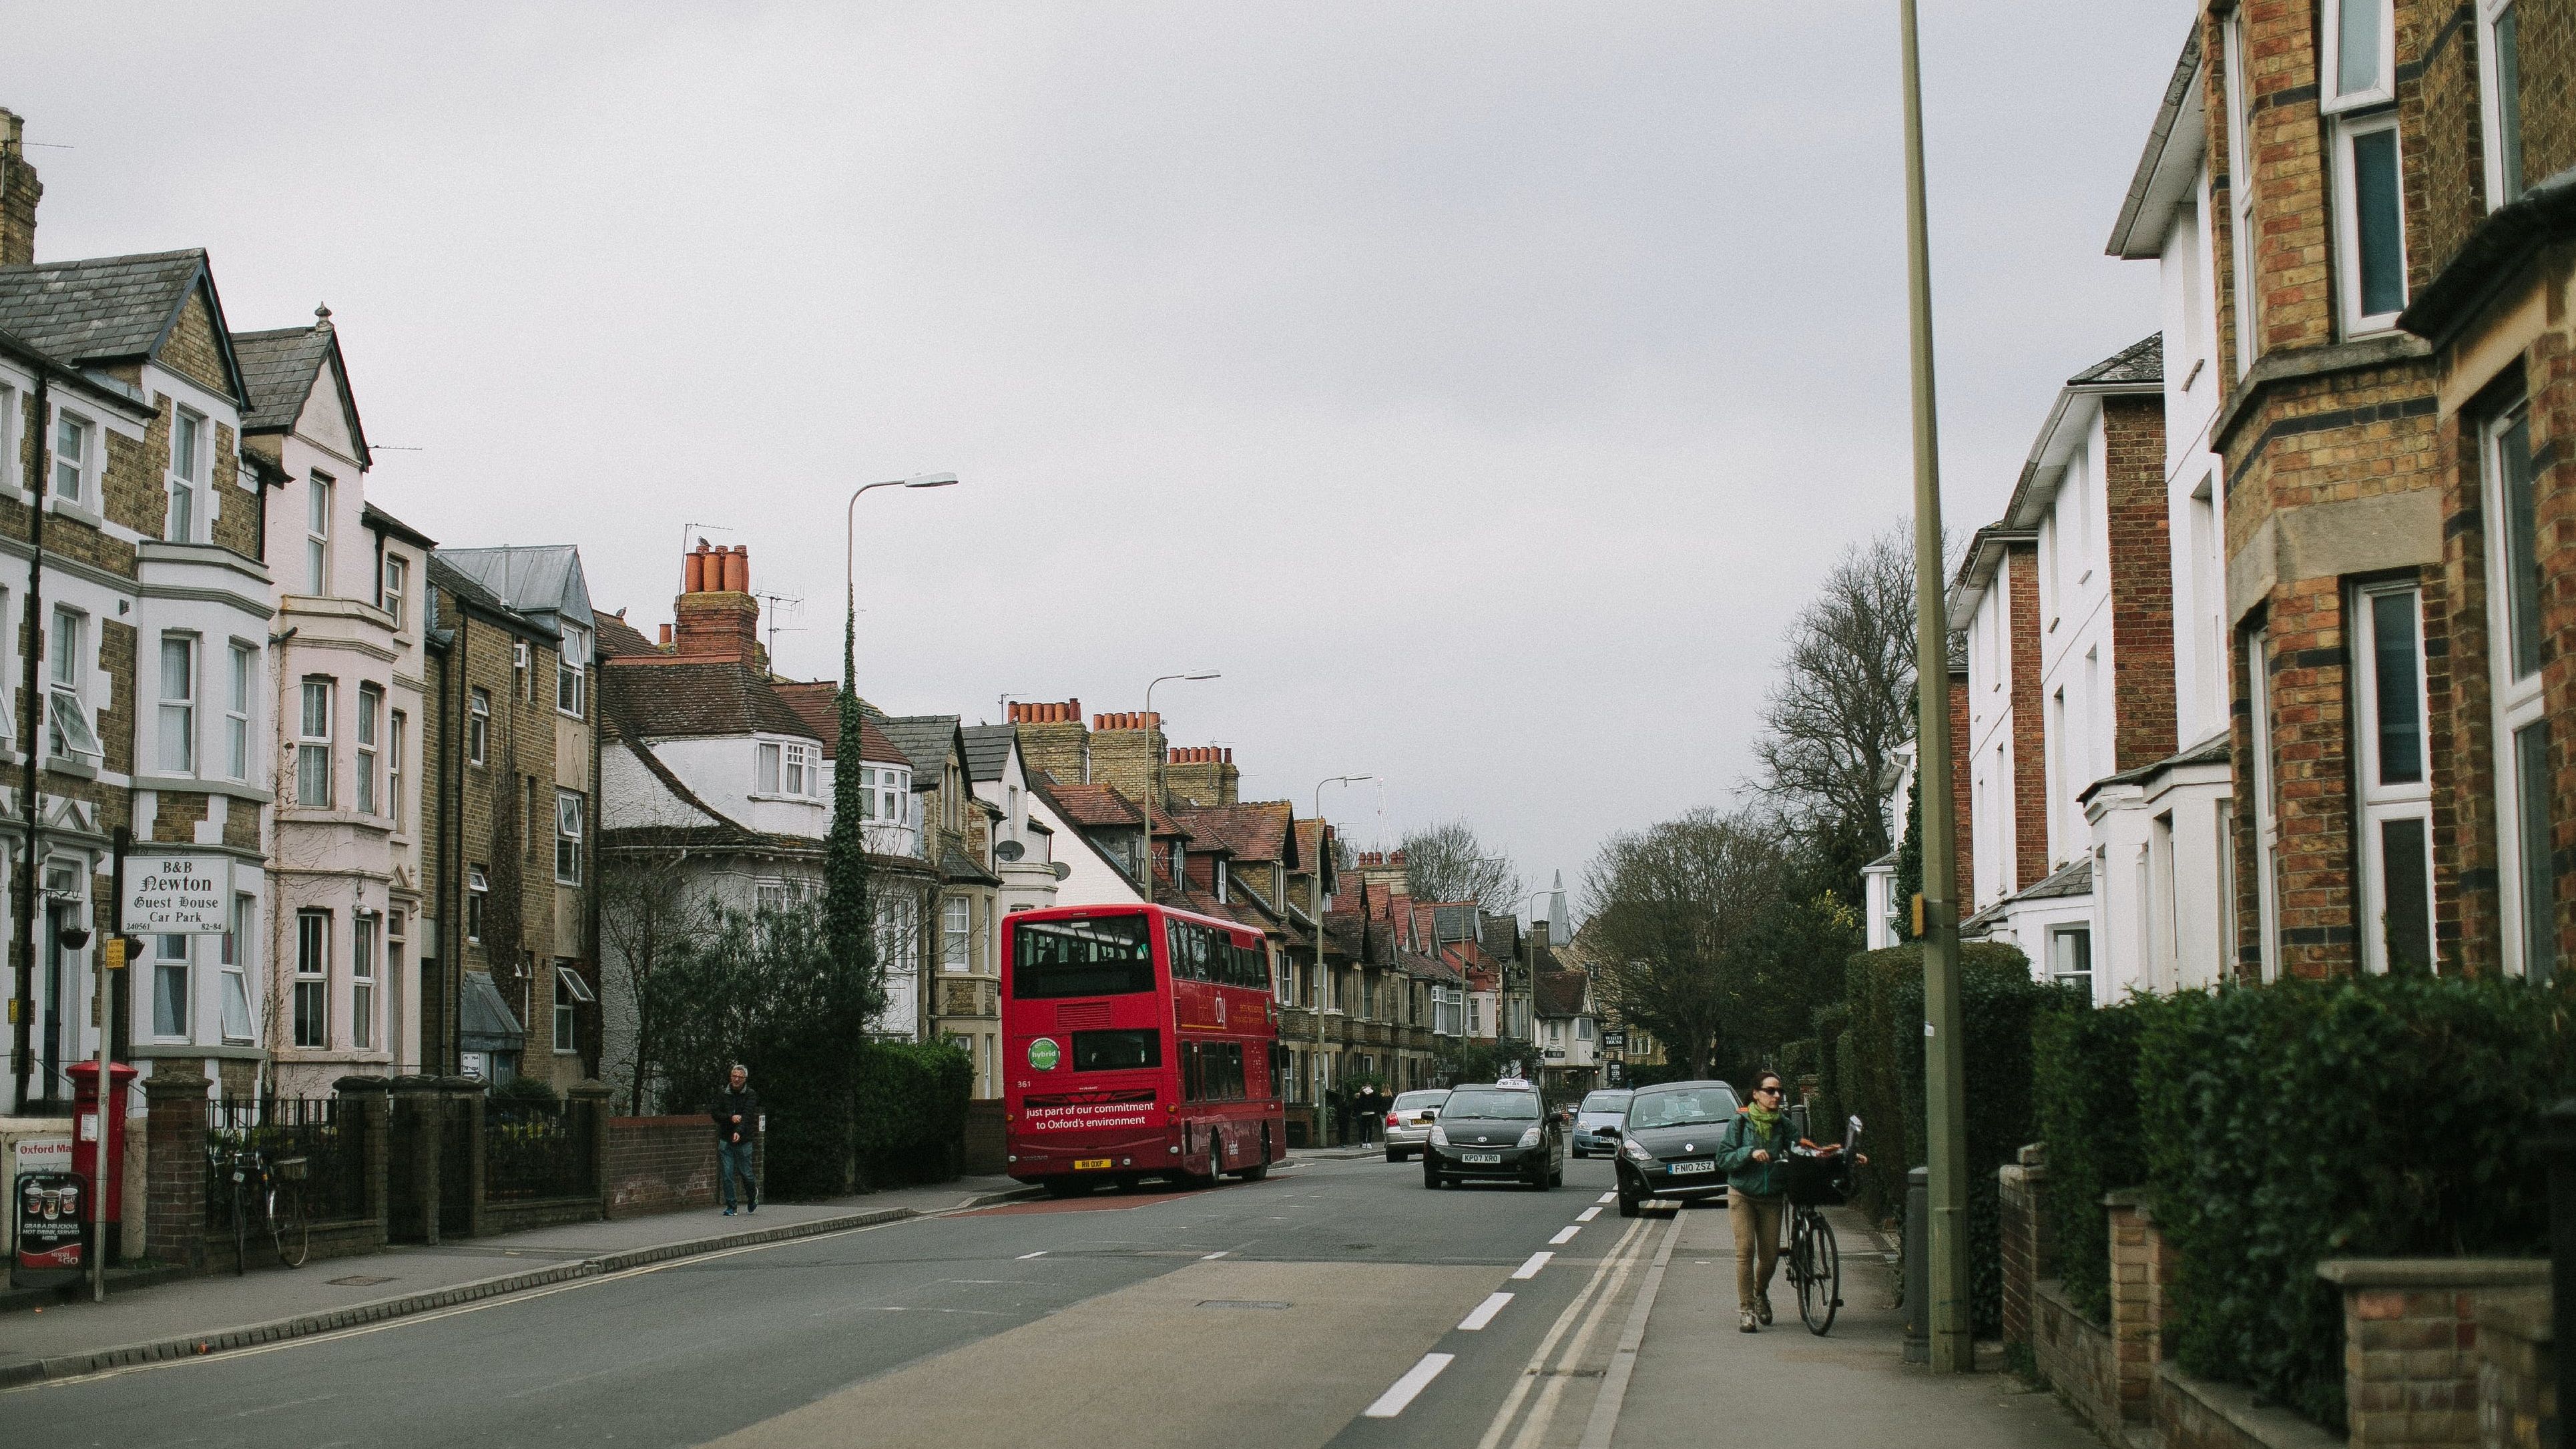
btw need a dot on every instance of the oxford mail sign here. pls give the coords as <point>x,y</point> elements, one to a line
<point>178,893</point>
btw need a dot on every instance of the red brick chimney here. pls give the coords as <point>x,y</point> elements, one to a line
<point>716,617</point>
<point>19,193</point>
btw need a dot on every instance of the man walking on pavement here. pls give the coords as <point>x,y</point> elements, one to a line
<point>736,1111</point>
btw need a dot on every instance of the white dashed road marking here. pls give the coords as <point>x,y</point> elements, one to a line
<point>1212,1257</point>
<point>1484,1313</point>
<point>1403,1390</point>
<point>1607,1197</point>
<point>1530,1268</point>
<point>1564,1236</point>
<point>1024,1257</point>
<point>1587,1215</point>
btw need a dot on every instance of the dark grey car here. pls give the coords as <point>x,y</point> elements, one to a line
<point>1495,1133</point>
<point>1668,1145</point>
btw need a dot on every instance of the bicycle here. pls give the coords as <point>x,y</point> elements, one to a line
<point>278,1184</point>
<point>1818,1179</point>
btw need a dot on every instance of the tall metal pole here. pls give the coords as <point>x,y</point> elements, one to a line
<point>1944,1086</point>
<point>31,698</point>
<point>1154,778</point>
<point>1315,899</point>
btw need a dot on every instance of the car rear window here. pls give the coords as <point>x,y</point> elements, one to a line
<point>1497,1106</point>
<point>1415,1101</point>
<point>1606,1102</point>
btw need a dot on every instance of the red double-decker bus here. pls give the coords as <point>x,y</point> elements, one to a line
<point>1141,1042</point>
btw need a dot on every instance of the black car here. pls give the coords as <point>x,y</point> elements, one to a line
<point>1668,1145</point>
<point>1501,1131</point>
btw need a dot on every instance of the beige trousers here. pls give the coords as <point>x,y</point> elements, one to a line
<point>1757,1244</point>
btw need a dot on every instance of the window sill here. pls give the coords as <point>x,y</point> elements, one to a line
<point>300,815</point>
<point>817,801</point>
<point>72,765</point>
<point>56,504</point>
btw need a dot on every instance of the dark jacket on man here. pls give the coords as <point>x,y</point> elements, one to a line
<point>727,1105</point>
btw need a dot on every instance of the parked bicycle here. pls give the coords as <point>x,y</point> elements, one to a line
<point>268,1197</point>
<point>1819,1178</point>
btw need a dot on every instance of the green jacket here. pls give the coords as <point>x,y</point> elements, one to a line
<point>1735,1156</point>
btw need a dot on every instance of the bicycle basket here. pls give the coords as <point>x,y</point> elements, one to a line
<point>289,1169</point>
<point>1817,1182</point>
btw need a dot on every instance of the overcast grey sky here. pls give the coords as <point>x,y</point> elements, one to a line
<point>1482,387</point>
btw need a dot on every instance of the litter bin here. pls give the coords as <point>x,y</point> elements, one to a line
<point>1918,1265</point>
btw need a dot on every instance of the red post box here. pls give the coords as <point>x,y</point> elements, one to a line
<point>87,1130</point>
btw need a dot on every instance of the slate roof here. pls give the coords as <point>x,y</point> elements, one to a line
<point>957,867</point>
<point>1091,806</point>
<point>279,368</point>
<point>377,518</point>
<point>531,578</point>
<point>988,750</point>
<point>484,1019</point>
<point>105,309</point>
<point>925,739</point>
<point>697,701</point>
<point>1501,938</point>
<point>1454,920</point>
<point>2073,880</point>
<point>620,640</point>
<point>2142,361</point>
<point>1560,993</point>
<point>465,586</point>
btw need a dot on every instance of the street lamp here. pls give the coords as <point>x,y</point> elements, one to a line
<point>1944,1075</point>
<point>1154,791</point>
<point>850,569</point>
<point>1316,899</point>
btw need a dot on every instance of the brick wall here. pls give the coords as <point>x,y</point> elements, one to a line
<point>660,1165</point>
<point>2411,1360</point>
<point>1963,871</point>
<point>2517,1370</point>
<point>2025,1241</point>
<point>2142,643</point>
<point>1124,748</point>
<point>175,1167</point>
<point>2075,1356</point>
<point>2029,726</point>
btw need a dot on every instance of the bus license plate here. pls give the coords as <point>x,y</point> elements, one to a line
<point>1085,1164</point>
<point>1682,1167</point>
<point>1483,1157</point>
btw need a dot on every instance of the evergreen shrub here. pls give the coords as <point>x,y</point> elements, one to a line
<point>908,1112</point>
<point>2085,1071</point>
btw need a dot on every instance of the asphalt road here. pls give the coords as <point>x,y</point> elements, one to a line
<point>1292,1312</point>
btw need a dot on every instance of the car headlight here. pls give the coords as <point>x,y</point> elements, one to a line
<point>1530,1138</point>
<point>1637,1150</point>
<point>1438,1137</point>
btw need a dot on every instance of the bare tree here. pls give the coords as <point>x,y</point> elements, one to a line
<point>649,916</point>
<point>1448,863</point>
<point>1845,700</point>
<point>1678,923</point>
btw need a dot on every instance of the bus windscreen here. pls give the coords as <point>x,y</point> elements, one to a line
<point>1101,956</point>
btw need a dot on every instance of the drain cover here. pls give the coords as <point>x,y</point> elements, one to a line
<point>358,1280</point>
<point>1239,1303</point>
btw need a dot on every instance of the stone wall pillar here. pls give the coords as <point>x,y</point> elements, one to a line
<point>2025,1238</point>
<point>175,1166</point>
<point>2137,1321</point>
<point>418,1112</point>
<point>2517,1370</point>
<point>588,1101</point>
<point>2411,1357</point>
<point>368,1106</point>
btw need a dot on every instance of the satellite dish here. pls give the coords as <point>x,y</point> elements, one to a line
<point>1009,850</point>
<point>1063,869</point>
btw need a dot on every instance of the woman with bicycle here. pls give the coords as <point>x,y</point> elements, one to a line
<point>1753,1156</point>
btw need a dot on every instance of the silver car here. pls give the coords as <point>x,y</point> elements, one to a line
<point>1408,1122</point>
<point>1596,1123</point>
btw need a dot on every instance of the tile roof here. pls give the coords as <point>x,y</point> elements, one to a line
<point>988,750</point>
<point>2142,361</point>
<point>1560,993</point>
<point>104,309</point>
<point>925,739</point>
<point>696,701</point>
<point>1250,832</point>
<point>1502,936</point>
<point>621,640</point>
<point>818,703</point>
<point>1095,805</point>
<point>279,368</point>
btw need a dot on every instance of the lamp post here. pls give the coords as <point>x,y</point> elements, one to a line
<point>1154,790</point>
<point>850,569</point>
<point>1316,899</point>
<point>1944,1085</point>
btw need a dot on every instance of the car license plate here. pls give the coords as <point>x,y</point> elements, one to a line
<point>1487,1157</point>
<point>1681,1167</point>
<point>1083,1164</point>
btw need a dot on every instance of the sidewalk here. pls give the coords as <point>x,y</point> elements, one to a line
<point>172,1319</point>
<point>1848,1390</point>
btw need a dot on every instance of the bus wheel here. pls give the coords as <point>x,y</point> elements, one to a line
<point>1261,1168</point>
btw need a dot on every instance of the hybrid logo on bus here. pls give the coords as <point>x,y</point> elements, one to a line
<point>1044,1054</point>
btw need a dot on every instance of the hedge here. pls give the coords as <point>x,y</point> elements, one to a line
<point>2085,1072</point>
<point>2388,1116</point>
<point>909,1111</point>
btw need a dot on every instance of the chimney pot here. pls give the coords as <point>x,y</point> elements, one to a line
<point>666,636</point>
<point>693,570</point>
<point>737,570</point>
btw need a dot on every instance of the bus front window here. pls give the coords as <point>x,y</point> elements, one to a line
<point>1101,956</point>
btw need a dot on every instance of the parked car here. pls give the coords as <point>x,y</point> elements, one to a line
<point>1408,1121</point>
<point>1668,1143</point>
<point>1501,1131</point>
<point>1597,1121</point>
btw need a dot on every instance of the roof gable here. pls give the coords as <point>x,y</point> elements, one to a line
<point>120,309</point>
<point>533,579</point>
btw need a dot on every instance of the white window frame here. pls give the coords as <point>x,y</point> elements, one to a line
<point>2267,810</point>
<point>394,589</point>
<point>2333,99</point>
<point>571,994</point>
<point>956,936</point>
<point>571,821</point>
<point>176,721</point>
<point>243,662</point>
<point>2383,803</point>
<point>173,963</point>
<point>523,682</point>
<point>2240,192</point>
<point>767,767</point>
<point>796,769</point>
<point>319,489</point>
<point>72,732</point>
<point>313,757</point>
<point>2065,943</point>
<point>2347,221</point>
<point>2518,700</point>
<point>190,467</point>
<point>238,1012</point>
<point>2505,183</point>
<point>362,983</point>
<point>312,980</point>
<point>478,726</point>
<point>71,478</point>
<point>478,901</point>
<point>397,732</point>
<point>371,708</point>
<point>572,665</point>
<point>13,472</point>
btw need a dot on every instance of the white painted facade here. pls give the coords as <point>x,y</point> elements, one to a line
<point>1029,883</point>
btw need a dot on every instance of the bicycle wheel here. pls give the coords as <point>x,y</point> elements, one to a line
<point>1822,1295</point>
<point>286,1220</point>
<point>1794,1260</point>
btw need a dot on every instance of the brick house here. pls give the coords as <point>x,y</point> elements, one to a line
<point>122,405</point>
<point>348,704</point>
<point>953,963</point>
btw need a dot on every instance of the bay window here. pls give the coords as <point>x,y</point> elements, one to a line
<point>2240,189</point>
<point>190,457</point>
<point>178,717</point>
<point>170,985</point>
<point>313,746</point>
<point>766,781</point>
<point>362,984</point>
<point>956,936</point>
<point>312,1000</point>
<point>2267,812</point>
<point>2500,86</point>
<point>237,714</point>
<point>2524,824</point>
<point>371,703</point>
<point>317,536</point>
<point>2396,778</point>
<point>2370,221</point>
<point>236,976</point>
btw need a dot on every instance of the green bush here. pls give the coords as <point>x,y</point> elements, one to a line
<point>908,1114</point>
<point>2085,1070</point>
<point>525,1092</point>
<point>2374,1117</point>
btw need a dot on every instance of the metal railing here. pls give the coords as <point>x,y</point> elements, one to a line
<point>535,1150</point>
<point>327,1132</point>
